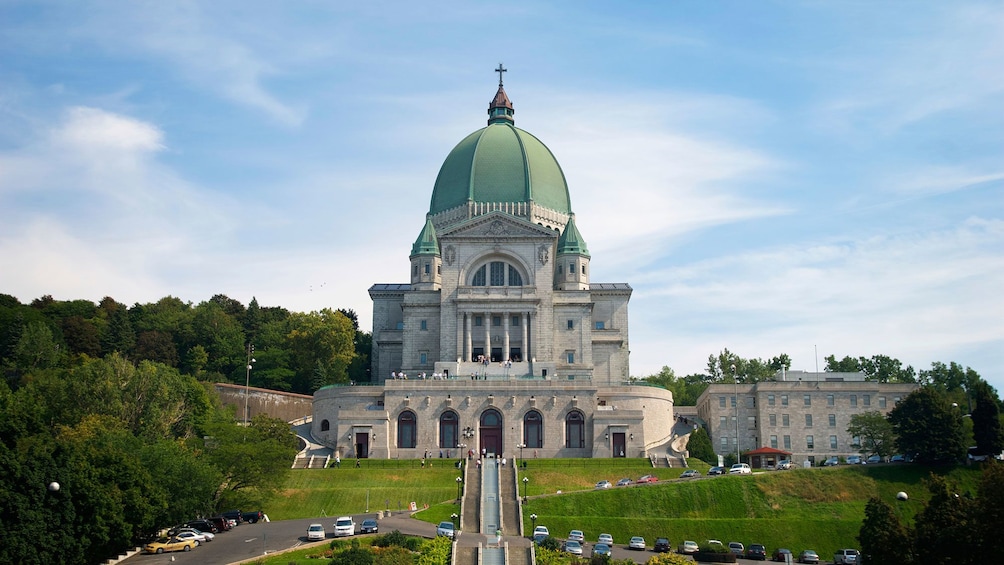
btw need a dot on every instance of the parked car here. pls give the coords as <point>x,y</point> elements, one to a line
<point>601,549</point>
<point>648,479</point>
<point>203,526</point>
<point>783,465</point>
<point>605,538</point>
<point>252,517</point>
<point>169,544</point>
<point>236,515</point>
<point>576,535</point>
<point>199,537</point>
<point>445,529</point>
<point>541,530</point>
<point>831,462</point>
<point>222,524</point>
<point>846,557</point>
<point>898,459</point>
<point>737,548</point>
<point>779,554</point>
<point>688,547</point>
<point>690,474</point>
<point>369,526</point>
<point>344,526</point>
<point>740,469</point>
<point>756,551</point>
<point>808,556</point>
<point>662,545</point>
<point>716,471</point>
<point>624,482</point>
<point>874,459</point>
<point>573,547</point>
<point>603,484</point>
<point>315,532</point>
<point>853,459</point>
<point>637,542</point>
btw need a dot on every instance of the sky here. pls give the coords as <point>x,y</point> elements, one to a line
<point>807,178</point>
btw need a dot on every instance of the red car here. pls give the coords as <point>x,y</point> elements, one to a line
<point>649,479</point>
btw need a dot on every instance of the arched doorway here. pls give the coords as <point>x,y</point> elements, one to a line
<point>491,432</point>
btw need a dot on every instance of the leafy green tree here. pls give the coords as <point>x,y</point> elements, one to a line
<point>987,429</point>
<point>118,334</point>
<point>37,348</point>
<point>990,509</point>
<point>875,433</point>
<point>884,539</point>
<point>222,336</point>
<point>953,380</point>
<point>925,423</point>
<point>699,446</point>
<point>846,365</point>
<point>81,336</point>
<point>946,525</point>
<point>320,339</point>
<point>720,367</point>
<point>156,346</point>
<point>879,368</point>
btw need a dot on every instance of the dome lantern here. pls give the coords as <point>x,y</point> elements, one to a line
<point>500,110</point>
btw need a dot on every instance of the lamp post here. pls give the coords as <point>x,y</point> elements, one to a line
<point>460,454</point>
<point>460,482</point>
<point>525,481</point>
<point>533,520</point>
<point>247,380</point>
<point>521,446</point>
<point>454,517</point>
<point>735,381</point>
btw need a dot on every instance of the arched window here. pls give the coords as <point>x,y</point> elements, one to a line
<point>407,436</point>
<point>497,273</point>
<point>325,425</point>
<point>533,429</point>
<point>448,424</point>
<point>575,430</point>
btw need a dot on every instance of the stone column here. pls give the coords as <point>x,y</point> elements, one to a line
<point>505,337</point>
<point>488,336</point>
<point>525,347</point>
<point>469,353</point>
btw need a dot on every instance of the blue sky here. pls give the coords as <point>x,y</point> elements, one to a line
<point>770,177</point>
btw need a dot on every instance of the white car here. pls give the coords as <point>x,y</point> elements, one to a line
<point>606,538</point>
<point>344,526</point>
<point>740,469</point>
<point>576,535</point>
<point>637,542</point>
<point>446,529</point>
<point>192,533</point>
<point>315,532</point>
<point>541,530</point>
<point>573,547</point>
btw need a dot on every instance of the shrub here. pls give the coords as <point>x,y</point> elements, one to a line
<point>668,559</point>
<point>713,548</point>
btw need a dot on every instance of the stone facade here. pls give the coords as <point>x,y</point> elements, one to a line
<point>806,414</point>
<point>502,336</point>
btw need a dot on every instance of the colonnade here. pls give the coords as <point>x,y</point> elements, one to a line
<point>503,335</point>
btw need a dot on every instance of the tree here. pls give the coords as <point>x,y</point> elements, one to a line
<point>879,368</point>
<point>37,348</point>
<point>884,539</point>
<point>926,424</point>
<point>699,446</point>
<point>720,367</point>
<point>990,509</point>
<point>946,525</point>
<point>846,365</point>
<point>320,339</point>
<point>987,430</point>
<point>875,433</point>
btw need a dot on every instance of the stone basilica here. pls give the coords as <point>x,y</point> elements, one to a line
<point>500,342</point>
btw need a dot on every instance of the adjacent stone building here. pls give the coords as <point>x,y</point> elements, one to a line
<point>500,341</point>
<point>804,413</point>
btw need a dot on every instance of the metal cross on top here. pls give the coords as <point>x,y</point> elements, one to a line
<point>500,70</point>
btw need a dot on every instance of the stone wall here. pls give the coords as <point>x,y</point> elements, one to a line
<point>286,406</point>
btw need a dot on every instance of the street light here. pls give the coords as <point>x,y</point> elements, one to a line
<point>460,482</point>
<point>735,380</point>
<point>525,480</point>
<point>521,446</point>
<point>454,517</point>
<point>247,380</point>
<point>533,519</point>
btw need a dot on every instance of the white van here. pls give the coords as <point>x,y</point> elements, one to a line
<point>740,469</point>
<point>344,526</point>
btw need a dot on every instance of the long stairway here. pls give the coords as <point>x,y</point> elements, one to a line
<point>490,505</point>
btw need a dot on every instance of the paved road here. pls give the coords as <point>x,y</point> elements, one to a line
<point>250,541</point>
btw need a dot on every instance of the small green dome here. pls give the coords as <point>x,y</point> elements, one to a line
<point>500,163</point>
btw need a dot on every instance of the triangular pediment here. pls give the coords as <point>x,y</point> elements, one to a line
<point>495,226</point>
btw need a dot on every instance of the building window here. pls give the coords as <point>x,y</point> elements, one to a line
<point>514,321</point>
<point>808,420</point>
<point>721,402</point>
<point>773,419</point>
<point>515,279</point>
<point>770,400</point>
<point>497,273</point>
<point>867,399</point>
<point>856,441</point>
<point>423,358</point>
<point>600,325</point>
<point>571,268</point>
<point>583,268</point>
<point>414,271</point>
<point>325,425</point>
<point>722,422</point>
<point>725,442</point>
<point>407,430</point>
<point>830,400</point>
<point>833,442</point>
<point>497,321</point>
<point>571,324</point>
<point>478,321</point>
<point>533,429</point>
<point>785,421</point>
<point>575,428</point>
<point>784,400</point>
<point>895,400</point>
<point>881,402</point>
<point>787,442</point>
<point>428,268</point>
<point>732,401</point>
<point>773,441</point>
<point>854,401</point>
<point>807,399</point>
<point>448,424</point>
<point>424,324</point>
<point>570,357</point>
<point>751,422</point>
<point>809,442</point>
<point>833,420</point>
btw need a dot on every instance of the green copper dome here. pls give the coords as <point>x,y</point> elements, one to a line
<point>500,163</point>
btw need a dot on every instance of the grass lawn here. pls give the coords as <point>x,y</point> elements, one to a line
<point>548,476</point>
